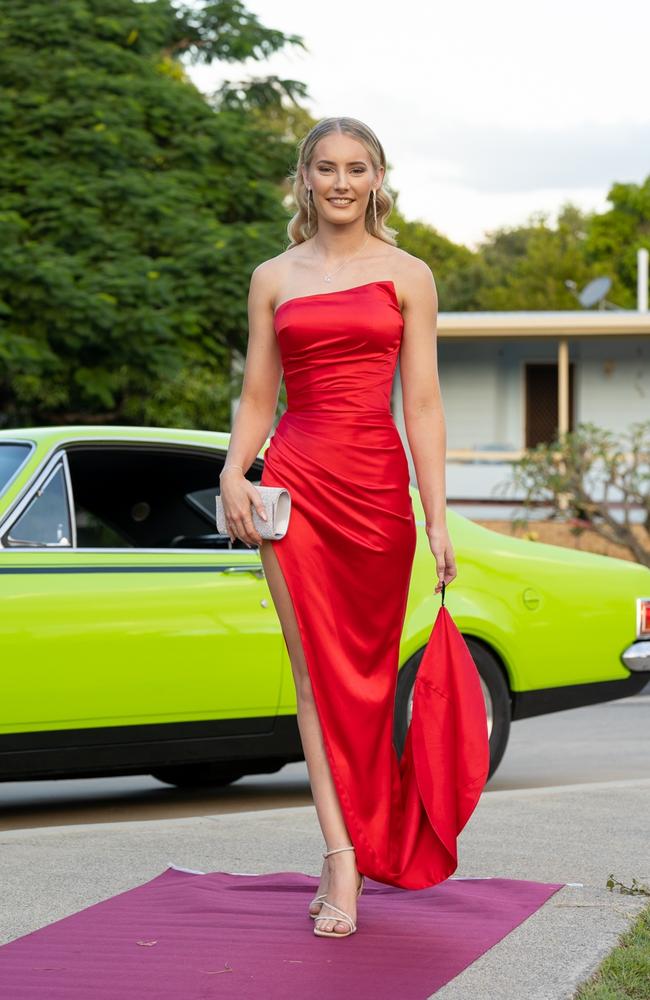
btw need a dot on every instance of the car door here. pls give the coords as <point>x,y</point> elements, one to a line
<point>114,634</point>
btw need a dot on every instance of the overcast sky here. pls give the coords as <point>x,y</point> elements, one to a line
<point>488,112</point>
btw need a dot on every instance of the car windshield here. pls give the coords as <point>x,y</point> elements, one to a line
<point>12,457</point>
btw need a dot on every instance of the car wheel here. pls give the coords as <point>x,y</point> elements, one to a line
<point>495,691</point>
<point>200,775</point>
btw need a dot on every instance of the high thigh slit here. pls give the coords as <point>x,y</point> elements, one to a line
<point>346,560</point>
<point>301,634</point>
<point>268,547</point>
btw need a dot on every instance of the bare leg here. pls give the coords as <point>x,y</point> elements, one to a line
<point>341,885</point>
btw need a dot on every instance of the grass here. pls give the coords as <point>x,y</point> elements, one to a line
<point>625,973</point>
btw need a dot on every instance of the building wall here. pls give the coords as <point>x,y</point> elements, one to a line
<point>483,386</point>
<point>614,381</point>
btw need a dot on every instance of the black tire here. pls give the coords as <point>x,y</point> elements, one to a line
<point>200,775</point>
<point>498,703</point>
<point>215,774</point>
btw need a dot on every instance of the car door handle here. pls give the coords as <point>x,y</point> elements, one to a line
<point>257,570</point>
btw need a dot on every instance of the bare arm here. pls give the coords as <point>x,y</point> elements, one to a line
<point>424,415</point>
<point>256,409</point>
<point>262,376</point>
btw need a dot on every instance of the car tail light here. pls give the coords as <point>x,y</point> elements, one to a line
<point>643,618</point>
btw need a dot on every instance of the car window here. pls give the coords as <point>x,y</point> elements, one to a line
<point>93,532</point>
<point>205,502</point>
<point>46,519</point>
<point>12,457</point>
<point>143,496</point>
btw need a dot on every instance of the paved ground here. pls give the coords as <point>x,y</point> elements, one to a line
<point>569,833</point>
<point>563,748</point>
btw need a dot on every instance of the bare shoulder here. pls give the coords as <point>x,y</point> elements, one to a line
<point>263,283</point>
<point>414,281</point>
<point>266,279</point>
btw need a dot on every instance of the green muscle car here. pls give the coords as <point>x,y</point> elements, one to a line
<point>136,639</point>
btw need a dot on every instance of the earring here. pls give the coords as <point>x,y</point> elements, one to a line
<point>374,204</point>
<point>308,201</point>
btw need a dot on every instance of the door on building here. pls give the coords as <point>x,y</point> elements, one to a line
<point>542,402</point>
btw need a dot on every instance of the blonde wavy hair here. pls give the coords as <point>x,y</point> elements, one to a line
<point>298,230</point>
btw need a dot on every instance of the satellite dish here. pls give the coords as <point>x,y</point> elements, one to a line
<point>595,291</point>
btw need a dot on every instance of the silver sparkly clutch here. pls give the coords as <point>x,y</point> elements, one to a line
<point>277,504</point>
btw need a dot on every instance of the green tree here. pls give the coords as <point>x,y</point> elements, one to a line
<point>458,272</point>
<point>614,237</point>
<point>526,267</point>
<point>132,210</point>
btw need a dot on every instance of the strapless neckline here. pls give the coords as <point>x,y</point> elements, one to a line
<point>338,291</point>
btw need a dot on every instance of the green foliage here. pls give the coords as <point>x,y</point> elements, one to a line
<point>625,972</point>
<point>526,267</point>
<point>615,236</point>
<point>458,272</point>
<point>581,473</point>
<point>636,889</point>
<point>131,211</point>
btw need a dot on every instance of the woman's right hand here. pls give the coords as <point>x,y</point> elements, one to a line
<point>237,495</point>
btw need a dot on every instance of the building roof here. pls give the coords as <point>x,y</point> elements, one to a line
<point>545,323</point>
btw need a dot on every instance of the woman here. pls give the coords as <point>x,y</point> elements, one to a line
<point>333,313</point>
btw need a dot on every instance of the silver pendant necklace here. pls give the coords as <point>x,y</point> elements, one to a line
<point>330,274</point>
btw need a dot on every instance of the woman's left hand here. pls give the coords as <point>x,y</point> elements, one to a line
<point>444,555</point>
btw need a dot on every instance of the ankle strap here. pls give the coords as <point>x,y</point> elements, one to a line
<point>337,849</point>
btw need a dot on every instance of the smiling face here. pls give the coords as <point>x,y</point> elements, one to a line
<point>342,177</point>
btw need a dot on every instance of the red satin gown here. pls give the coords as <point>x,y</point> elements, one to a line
<point>346,558</point>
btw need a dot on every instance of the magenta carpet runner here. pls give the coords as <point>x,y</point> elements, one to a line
<point>191,936</point>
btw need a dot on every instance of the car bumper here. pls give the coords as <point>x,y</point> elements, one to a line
<point>637,656</point>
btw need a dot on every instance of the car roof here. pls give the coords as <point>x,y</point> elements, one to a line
<point>121,432</point>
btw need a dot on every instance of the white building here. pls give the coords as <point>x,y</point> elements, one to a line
<point>510,380</point>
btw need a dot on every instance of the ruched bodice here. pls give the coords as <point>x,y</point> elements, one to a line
<point>339,349</point>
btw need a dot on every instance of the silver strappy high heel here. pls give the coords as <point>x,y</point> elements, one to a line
<point>343,917</point>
